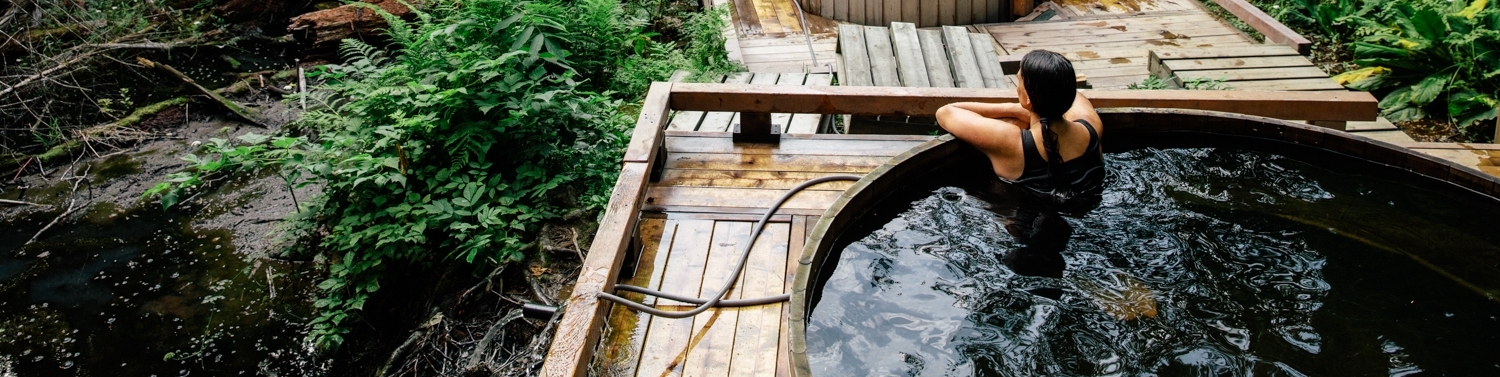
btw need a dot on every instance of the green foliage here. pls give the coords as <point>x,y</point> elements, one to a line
<point>1336,19</point>
<point>1156,83</point>
<point>493,117</point>
<point>1443,60</point>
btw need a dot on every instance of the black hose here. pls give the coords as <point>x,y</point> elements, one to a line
<point>718,298</point>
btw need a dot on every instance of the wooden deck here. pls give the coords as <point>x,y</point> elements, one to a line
<point>693,225</point>
<point>769,38</point>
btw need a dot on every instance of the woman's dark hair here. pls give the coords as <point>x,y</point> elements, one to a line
<point>1050,83</point>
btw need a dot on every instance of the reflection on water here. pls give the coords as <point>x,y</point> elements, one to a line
<point>1198,262</point>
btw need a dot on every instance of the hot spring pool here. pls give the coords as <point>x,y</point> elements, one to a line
<point>1198,262</point>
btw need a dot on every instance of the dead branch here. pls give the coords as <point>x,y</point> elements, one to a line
<point>72,205</point>
<point>477,358</point>
<point>244,113</point>
<point>417,334</point>
<point>18,202</point>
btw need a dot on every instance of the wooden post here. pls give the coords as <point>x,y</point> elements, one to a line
<point>1497,130</point>
<point>1274,31</point>
<point>756,127</point>
<point>1021,8</point>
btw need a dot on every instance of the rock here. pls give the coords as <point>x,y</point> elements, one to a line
<point>325,28</point>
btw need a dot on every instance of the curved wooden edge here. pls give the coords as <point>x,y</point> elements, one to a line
<point>908,101</point>
<point>1274,31</point>
<point>1120,120</point>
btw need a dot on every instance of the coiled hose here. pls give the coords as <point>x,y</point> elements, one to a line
<point>718,298</point>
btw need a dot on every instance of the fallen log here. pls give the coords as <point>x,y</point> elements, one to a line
<point>242,112</point>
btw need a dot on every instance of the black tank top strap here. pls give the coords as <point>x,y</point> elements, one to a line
<point>1093,135</point>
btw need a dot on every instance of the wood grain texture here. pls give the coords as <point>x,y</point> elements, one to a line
<point>961,55</point>
<point>650,123</point>
<point>784,120</point>
<point>738,198</point>
<point>909,60</point>
<point>714,330</point>
<point>791,146</point>
<point>939,71</point>
<point>757,336</point>
<point>856,56</point>
<point>579,330</point>
<point>776,180</point>
<point>1238,63</point>
<point>882,57</point>
<point>620,350</point>
<point>667,337</point>
<point>988,61</point>
<point>928,16</point>
<point>963,12</point>
<point>1253,73</point>
<point>808,123</point>
<point>774,162</point>
<point>946,10</point>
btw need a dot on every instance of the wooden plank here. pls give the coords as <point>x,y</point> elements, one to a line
<point>856,56</point>
<point>579,330</point>
<point>1185,29</point>
<point>961,55</point>
<point>841,10</point>
<point>1357,106</point>
<point>737,198</point>
<point>1130,23</point>
<point>778,180</point>
<point>1274,31</point>
<point>826,8</point>
<point>719,121</point>
<point>1314,84</point>
<point>882,58</point>
<point>685,121</point>
<point>892,11</point>
<point>1143,44</point>
<point>808,123</point>
<point>714,330</point>
<point>649,125</point>
<point>1184,38</point>
<point>875,12</point>
<point>621,344</point>
<point>946,11</point>
<point>996,10</point>
<point>1021,8</point>
<point>797,241</point>
<point>939,72</point>
<point>988,61</point>
<point>909,55</point>
<point>770,162</point>
<point>786,13</point>
<point>1253,73</point>
<point>746,17</point>
<point>756,340</point>
<point>769,23</point>
<point>1237,63</point>
<point>667,338</point>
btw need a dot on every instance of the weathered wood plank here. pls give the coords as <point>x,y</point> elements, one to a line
<point>1237,63</point>
<point>911,12</point>
<point>757,336</point>
<point>1358,106</point>
<point>745,17</point>
<point>1144,44</point>
<point>621,345</point>
<point>1006,30</point>
<point>1253,73</point>
<point>1274,31</point>
<point>841,10</point>
<point>882,58</point>
<point>771,162</point>
<point>1182,37</point>
<point>996,10</point>
<point>778,180</point>
<point>856,56</point>
<point>875,12</point>
<point>988,61</point>
<point>1020,8</point>
<point>719,121</point>
<point>668,338</point>
<point>786,13</point>
<point>808,123</point>
<point>714,330</point>
<point>579,330</point>
<point>909,55</point>
<point>929,14</point>
<point>892,11</point>
<point>685,121</point>
<point>1314,84</point>
<point>939,71</point>
<point>649,125</point>
<point>738,198</point>
<point>979,9</point>
<point>961,55</point>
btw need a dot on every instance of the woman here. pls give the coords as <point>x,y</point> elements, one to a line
<point>1065,170</point>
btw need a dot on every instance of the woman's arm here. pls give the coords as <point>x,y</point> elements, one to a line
<point>1083,109</point>
<point>986,133</point>
<point>996,110</point>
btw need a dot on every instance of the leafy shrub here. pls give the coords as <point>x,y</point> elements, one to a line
<point>1156,83</point>
<point>493,117</point>
<point>1439,59</point>
<point>1336,19</point>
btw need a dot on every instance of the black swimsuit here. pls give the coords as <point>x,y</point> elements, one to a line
<point>1083,177</point>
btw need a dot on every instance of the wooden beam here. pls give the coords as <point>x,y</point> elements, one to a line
<point>1274,31</point>
<point>1329,106</point>
<point>648,127</point>
<point>584,314</point>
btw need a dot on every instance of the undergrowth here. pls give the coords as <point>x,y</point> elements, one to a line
<point>489,119</point>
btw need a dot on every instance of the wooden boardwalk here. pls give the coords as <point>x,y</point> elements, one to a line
<point>694,224</point>
<point>769,38</point>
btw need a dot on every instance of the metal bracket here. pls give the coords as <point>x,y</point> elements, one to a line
<point>756,128</point>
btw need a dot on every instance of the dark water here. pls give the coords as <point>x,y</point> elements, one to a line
<point>1199,262</point>
<point>141,292</point>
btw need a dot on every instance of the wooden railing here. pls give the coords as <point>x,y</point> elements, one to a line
<point>1274,31</point>
<point>584,314</point>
